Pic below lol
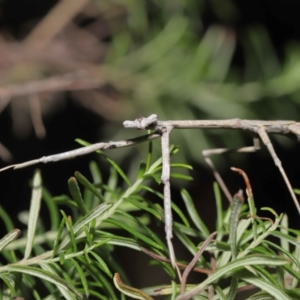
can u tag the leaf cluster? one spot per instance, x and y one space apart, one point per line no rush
73 259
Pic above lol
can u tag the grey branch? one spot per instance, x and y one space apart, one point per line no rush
85 150
281 127
262 128
165 178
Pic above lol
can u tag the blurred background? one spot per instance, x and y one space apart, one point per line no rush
78 69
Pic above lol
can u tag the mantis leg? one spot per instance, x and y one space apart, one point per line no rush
165 178
266 140
207 153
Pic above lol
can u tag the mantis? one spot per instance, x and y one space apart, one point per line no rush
163 129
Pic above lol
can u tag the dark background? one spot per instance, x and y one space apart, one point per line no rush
72 120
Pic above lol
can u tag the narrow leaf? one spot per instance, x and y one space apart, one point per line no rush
135 233
7 278
101 263
181 176
35 205
233 222
234 265
219 206
273 290
71 231
143 206
88 218
44 275
58 235
142 170
82 277
76 195
83 180
8 238
6 219
53 210
128 290
189 204
119 170
68 295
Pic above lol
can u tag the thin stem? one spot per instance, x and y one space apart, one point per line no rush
85 150
194 261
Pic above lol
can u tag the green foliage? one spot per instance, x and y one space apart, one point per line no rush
74 258
183 54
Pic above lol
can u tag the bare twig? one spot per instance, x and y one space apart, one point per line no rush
259 127
62 13
85 150
265 138
68 82
207 153
36 116
165 178
193 262
179 265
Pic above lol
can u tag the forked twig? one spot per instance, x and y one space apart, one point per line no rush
259 127
85 150
179 265
192 264
207 153
265 138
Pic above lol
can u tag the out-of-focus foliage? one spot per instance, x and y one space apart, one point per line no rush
124 59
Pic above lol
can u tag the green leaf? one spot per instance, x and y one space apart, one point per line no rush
35 205
233 223
134 233
219 207
82 277
128 290
8 238
65 200
174 290
273 290
10 283
88 218
149 155
189 204
286 237
119 170
96 174
142 170
44 275
284 251
181 176
143 206
6 219
71 231
141 226
237 264
58 235
101 263
67 293
220 293
179 165
283 228
53 210
118 241
76 195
